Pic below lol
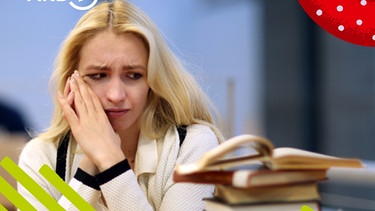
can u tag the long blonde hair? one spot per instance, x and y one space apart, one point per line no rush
175 98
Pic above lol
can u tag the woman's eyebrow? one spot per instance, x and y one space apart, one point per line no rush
106 68
130 67
98 67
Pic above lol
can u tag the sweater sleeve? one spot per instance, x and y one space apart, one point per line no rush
120 188
89 194
38 153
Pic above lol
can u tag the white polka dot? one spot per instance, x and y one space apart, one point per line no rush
341 28
359 22
373 37
340 8
363 2
319 12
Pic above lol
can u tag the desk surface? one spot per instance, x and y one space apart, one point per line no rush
349 189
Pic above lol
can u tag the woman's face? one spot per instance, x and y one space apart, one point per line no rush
115 67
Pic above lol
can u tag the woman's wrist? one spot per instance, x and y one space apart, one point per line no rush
87 166
109 160
112 172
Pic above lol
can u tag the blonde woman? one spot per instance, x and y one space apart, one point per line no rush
126 112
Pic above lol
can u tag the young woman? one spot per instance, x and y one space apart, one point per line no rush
123 105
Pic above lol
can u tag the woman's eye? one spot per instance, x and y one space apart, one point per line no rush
96 76
135 76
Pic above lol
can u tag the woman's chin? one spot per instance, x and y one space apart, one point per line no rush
119 127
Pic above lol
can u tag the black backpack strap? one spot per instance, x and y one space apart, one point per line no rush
181 133
62 152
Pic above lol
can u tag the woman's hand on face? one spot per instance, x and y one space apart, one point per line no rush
89 124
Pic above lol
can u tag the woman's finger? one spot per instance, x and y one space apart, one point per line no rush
68 113
70 99
67 88
96 102
68 94
79 102
84 90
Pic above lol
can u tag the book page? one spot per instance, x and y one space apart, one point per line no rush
239 150
225 156
292 158
286 152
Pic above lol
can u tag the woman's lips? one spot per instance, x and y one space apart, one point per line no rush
116 113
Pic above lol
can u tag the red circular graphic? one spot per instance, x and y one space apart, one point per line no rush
349 20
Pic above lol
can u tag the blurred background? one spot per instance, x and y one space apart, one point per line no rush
269 69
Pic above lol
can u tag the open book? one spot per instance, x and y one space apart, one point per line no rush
248 149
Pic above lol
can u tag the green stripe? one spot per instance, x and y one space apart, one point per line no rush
306 208
65 189
28 183
13 196
2 208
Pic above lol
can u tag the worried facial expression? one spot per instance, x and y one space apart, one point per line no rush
115 67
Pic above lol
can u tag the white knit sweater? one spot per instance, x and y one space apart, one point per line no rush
149 187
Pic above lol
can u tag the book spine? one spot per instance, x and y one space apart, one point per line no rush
239 179
213 177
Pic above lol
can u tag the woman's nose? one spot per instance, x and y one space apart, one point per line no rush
116 91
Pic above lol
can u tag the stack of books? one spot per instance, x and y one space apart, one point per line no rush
249 173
